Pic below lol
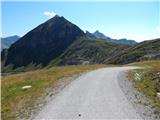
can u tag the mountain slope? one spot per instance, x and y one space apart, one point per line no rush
86 51
44 43
146 50
8 41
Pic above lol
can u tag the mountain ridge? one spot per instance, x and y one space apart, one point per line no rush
99 35
60 42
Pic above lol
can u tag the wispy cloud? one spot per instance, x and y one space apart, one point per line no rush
49 14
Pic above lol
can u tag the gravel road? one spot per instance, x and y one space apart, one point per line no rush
94 95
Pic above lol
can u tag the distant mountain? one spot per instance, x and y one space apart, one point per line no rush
126 41
58 42
43 43
147 50
99 35
8 41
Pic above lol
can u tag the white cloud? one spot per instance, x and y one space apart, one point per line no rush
49 14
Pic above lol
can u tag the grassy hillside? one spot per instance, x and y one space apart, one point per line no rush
20 103
147 81
85 50
147 50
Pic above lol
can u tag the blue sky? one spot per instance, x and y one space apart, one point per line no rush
133 20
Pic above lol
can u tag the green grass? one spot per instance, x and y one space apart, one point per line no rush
149 81
17 102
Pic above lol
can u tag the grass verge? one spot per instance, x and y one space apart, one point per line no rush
16 102
147 81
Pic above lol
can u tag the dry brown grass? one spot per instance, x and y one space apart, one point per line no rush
16 102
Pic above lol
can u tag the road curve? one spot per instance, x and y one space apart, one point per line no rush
94 95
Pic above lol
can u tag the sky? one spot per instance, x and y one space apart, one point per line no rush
117 19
